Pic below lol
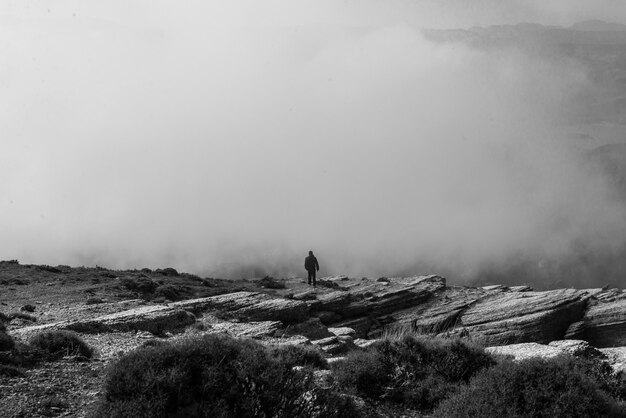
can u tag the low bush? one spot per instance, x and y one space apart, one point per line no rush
269 282
297 355
414 371
211 376
11 371
63 343
168 291
6 342
94 301
28 308
168 271
532 388
139 284
22 355
24 316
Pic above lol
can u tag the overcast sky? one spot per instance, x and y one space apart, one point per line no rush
214 135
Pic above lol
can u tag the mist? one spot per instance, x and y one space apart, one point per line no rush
229 141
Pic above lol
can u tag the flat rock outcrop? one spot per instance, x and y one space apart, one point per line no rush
517 317
523 351
250 306
157 319
603 324
368 306
341 311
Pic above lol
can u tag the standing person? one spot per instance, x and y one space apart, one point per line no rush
311 265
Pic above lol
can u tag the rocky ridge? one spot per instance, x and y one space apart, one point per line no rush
116 312
364 309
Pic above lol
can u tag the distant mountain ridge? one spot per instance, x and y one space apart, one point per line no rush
597 25
598 47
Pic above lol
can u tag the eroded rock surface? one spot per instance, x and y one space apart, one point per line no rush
603 324
516 317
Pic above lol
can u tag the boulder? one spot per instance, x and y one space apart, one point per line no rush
516 317
311 328
342 331
335 282
363 343
335 345
522 288
578 348
335 301
260 329
249 306
369 306
306 295
156 319
525 351
616 356
603 325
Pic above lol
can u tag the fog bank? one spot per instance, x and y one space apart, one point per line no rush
228 143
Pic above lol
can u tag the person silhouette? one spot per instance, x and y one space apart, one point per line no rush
311 265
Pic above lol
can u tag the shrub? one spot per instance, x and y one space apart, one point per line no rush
94 301
21 355
365 372
297 355
28 308
22 315
269 282
139 284
208 376
11 371
168 271
51 405
413 371
168 291
61 343
602 372
6 342
532 388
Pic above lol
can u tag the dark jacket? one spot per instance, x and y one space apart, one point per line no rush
310 263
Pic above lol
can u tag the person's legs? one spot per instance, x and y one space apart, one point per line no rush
311 273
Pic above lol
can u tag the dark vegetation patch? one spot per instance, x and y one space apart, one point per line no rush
28 308
533 388
14 281
169 291
94 301
50 269
297 355
416 372
21 315
61 343
6 341
52 406
168 271
269 282
143 285
215 376
22 355
11 371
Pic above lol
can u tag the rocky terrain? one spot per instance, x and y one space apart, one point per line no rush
117 311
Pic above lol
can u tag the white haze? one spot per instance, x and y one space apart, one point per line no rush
229 141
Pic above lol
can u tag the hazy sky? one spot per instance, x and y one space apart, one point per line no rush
215 136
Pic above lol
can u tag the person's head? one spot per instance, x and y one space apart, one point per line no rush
310 252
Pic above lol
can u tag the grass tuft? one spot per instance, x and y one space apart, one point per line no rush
61 343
